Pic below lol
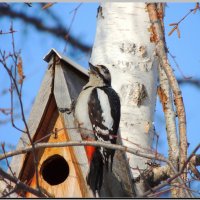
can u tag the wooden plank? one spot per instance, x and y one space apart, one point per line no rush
63 100
37 112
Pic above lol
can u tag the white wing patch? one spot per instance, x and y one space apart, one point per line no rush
106 110
101 148
101 131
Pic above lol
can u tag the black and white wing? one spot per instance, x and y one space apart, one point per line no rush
104 114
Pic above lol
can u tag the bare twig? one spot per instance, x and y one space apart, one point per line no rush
177 66
8 32
194 170
9 193
93 143
29 4
20 185
141 148
194 82
172 186
47 5
3 62
5 111
165 183
176 24
83 143
19 95
190 157
71 23
195 160
7 163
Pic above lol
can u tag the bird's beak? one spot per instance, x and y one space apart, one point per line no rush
93 69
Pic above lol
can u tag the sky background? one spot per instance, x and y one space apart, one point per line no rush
35 45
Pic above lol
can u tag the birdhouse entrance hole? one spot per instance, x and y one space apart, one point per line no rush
55 170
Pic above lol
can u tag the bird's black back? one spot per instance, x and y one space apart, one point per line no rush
102 133
96 112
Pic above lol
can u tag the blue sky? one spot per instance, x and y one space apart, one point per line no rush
34 45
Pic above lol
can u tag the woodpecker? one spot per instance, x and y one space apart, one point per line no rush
97 113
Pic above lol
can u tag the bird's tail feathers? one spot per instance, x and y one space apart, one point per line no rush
95 174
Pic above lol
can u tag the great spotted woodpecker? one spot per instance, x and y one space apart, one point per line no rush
97 113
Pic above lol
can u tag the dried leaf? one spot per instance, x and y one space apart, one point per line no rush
163 97
3 145
20 71
47 5
175 27
196 8
178 32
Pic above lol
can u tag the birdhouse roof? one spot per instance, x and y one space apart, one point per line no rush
53 51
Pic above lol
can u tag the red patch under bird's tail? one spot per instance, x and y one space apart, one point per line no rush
95 174
90 152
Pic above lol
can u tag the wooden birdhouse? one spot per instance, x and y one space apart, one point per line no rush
62 171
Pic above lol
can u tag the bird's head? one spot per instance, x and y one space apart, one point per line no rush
101 74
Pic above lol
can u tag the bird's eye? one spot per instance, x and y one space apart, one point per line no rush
105 71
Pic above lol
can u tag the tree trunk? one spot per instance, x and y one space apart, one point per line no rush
123 44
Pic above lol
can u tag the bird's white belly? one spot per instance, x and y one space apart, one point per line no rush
81 112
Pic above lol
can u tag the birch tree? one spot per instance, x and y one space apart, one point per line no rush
123 44
127 42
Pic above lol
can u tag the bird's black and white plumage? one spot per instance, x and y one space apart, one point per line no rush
98 109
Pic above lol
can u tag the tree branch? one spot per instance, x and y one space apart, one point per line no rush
194 82
159 174
96 144
83 143
156 175
161 52
58 31
18 88
20 185
176 24
164 93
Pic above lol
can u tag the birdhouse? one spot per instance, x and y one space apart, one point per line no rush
62 171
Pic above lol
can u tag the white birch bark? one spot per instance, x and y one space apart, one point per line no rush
123 44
